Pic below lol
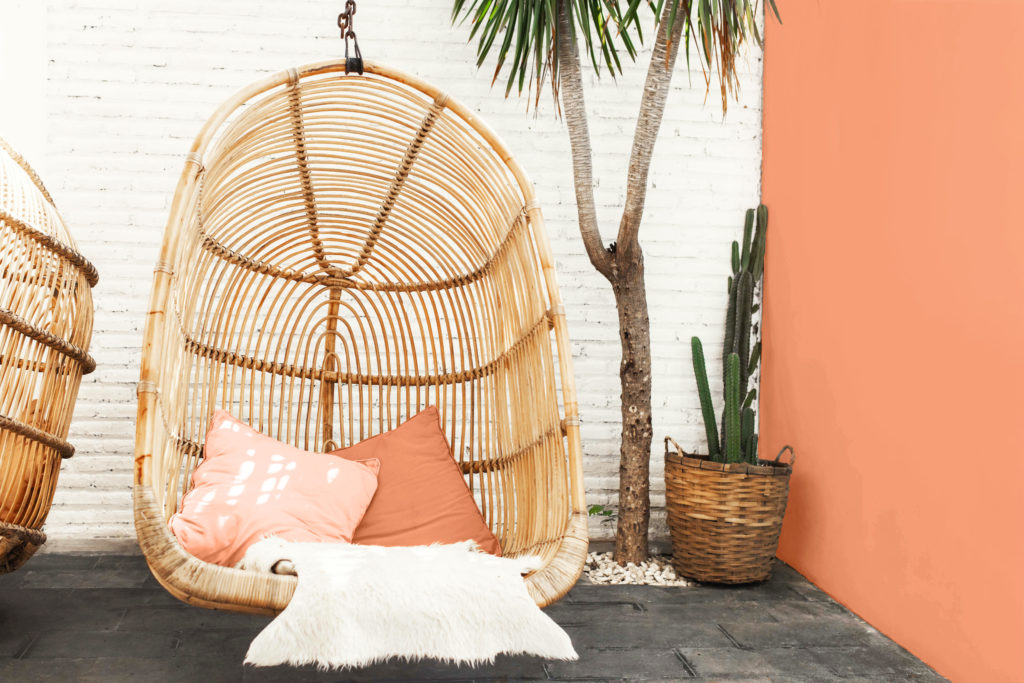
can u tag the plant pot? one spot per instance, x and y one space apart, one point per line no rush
724 519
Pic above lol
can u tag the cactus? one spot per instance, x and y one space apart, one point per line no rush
741 343
746 431
755 357
736 440
704 390
757 253
730 324
749 400
733 441
748 225
737 329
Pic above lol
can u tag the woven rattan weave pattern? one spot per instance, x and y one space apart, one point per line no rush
45 329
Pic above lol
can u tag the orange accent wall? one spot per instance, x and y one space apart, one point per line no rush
894 316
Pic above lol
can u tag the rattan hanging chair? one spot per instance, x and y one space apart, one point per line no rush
45 328
343 251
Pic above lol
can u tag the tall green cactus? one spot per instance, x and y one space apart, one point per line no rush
733 440
736 442
748 225
746 430
757 264
707 408
744 313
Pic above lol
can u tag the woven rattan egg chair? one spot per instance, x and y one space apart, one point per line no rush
45 328
343 251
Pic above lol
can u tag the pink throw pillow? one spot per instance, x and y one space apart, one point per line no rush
250 486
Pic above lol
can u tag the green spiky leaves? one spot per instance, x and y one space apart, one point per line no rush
521 34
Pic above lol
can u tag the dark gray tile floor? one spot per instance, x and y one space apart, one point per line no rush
104 618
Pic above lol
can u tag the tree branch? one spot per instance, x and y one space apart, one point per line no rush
571 90
652 110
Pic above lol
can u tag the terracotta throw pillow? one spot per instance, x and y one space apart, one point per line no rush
421 496
250 486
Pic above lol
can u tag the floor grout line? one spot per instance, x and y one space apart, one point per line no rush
735 642
26 646
120 619
685 662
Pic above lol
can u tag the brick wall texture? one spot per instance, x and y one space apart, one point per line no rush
129 83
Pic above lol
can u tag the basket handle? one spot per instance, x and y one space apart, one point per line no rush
679 449
792 455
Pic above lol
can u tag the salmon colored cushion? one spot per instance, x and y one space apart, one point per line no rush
421 495
250 486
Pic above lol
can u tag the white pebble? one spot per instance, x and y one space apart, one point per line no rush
657 570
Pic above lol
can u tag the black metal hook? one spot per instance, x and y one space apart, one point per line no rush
345 23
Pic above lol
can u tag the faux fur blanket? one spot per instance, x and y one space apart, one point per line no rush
358 605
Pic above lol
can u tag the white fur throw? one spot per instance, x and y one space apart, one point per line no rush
358 605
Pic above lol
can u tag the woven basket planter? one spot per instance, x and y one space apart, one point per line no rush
45 328
724 519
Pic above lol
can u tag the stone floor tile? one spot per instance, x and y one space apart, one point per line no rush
726 594
78 644
798 610
589 592
584 612
124 577
120 597
45 670
621 664
47 615
645 595
825 632
783 573
182 617
230 644
645 632
712 613
121 561
783 664
809 591
880 660
163 670
52 561
13 642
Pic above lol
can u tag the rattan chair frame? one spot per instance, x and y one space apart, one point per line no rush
46 317
342 251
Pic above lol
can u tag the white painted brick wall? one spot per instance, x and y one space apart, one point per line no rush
129 83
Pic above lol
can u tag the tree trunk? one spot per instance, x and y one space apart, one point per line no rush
623 264
573 106
635 375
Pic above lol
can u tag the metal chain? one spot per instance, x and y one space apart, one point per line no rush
345 22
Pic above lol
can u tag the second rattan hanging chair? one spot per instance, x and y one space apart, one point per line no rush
45 328
342 251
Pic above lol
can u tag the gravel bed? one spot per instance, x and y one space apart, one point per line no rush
657 571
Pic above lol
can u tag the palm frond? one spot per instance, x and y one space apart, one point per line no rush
525 52
605 29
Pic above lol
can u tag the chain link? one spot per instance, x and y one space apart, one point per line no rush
345 22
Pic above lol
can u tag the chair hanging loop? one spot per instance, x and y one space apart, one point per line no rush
345 21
